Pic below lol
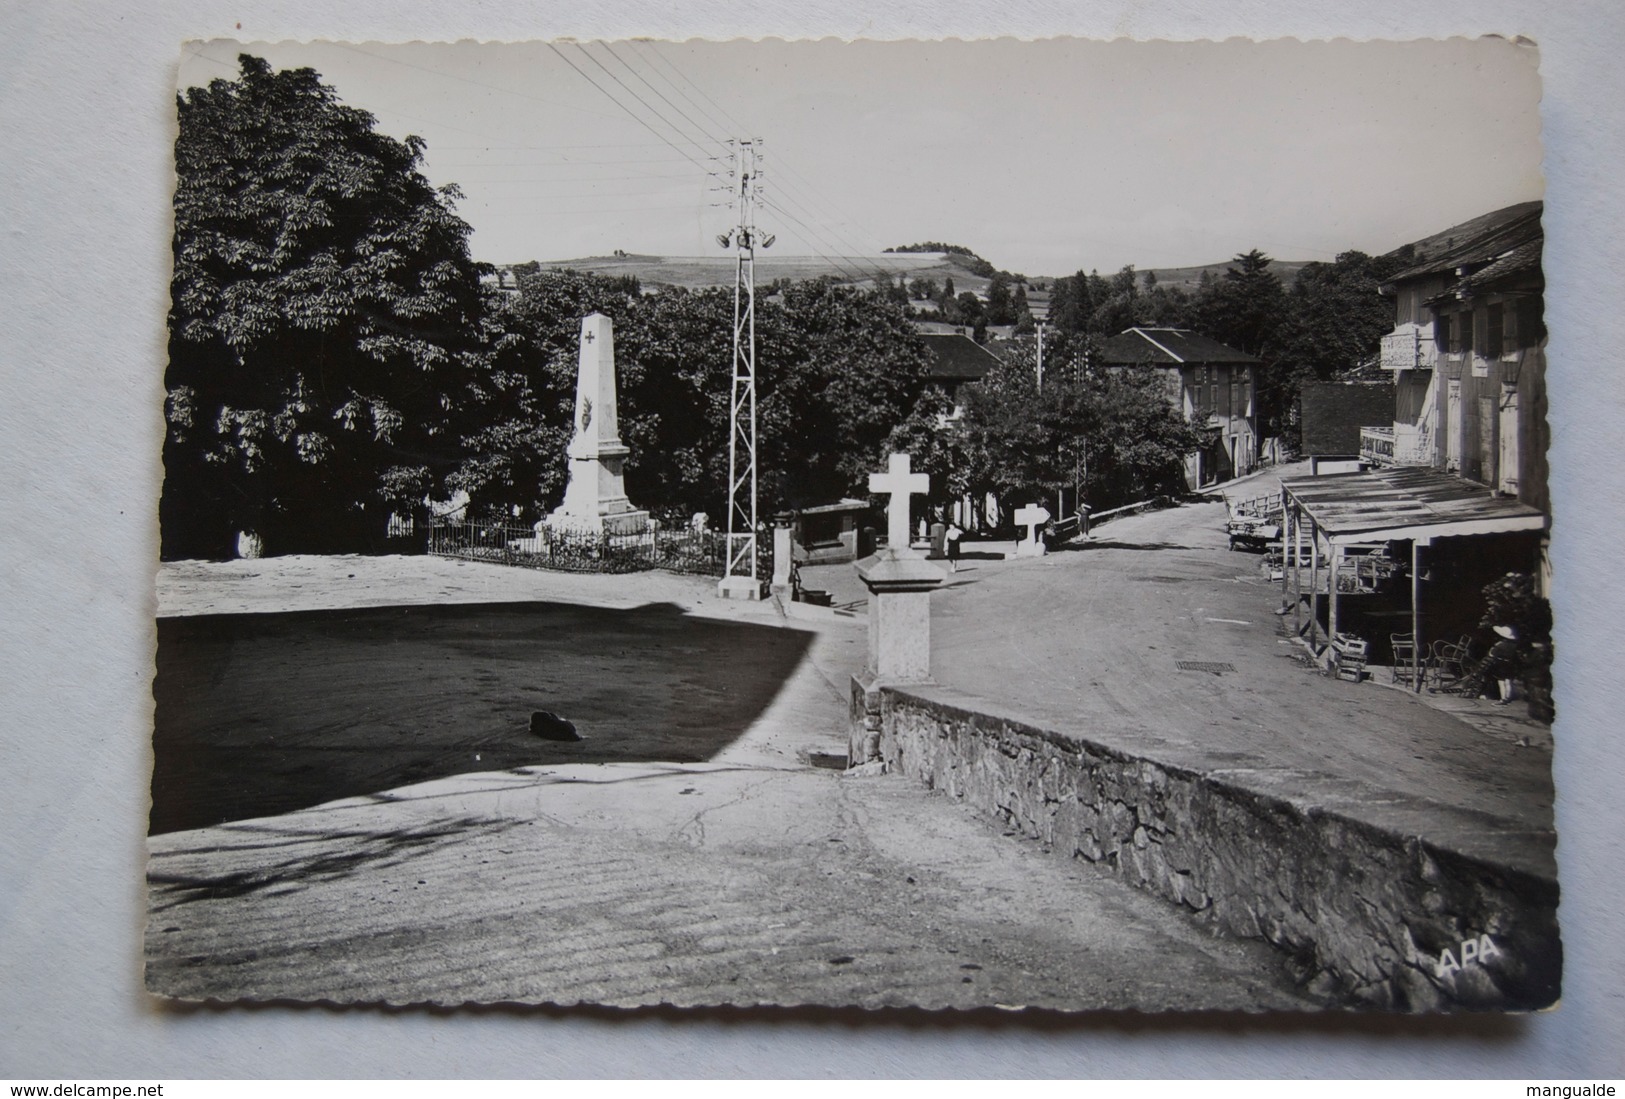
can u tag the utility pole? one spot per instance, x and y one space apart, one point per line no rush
1040 356
740 580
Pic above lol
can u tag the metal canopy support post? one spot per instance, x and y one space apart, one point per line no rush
1294 526
1331 589
1314 582
1416 610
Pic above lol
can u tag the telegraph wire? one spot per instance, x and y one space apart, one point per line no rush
643 102
843 264
847 267
710 136
723 117
469 80
727 122
624 108
839 242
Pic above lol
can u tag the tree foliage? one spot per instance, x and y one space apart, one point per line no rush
837 370
325 326
1335 316
1114 429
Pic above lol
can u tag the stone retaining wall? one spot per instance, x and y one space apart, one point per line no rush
1432 908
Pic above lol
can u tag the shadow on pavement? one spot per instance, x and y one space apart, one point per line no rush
385 848
261 714
1107 543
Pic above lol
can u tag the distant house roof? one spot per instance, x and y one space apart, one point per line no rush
1168 346
956 357
1485 240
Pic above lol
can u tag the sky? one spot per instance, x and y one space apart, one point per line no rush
1045 157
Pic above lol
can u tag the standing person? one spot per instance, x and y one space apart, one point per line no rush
953 536
1502 662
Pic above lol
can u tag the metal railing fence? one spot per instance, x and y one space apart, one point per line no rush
682 549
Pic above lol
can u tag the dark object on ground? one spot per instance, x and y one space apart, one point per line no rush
261 714
550 726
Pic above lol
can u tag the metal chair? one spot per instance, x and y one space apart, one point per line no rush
1406 670
1449 666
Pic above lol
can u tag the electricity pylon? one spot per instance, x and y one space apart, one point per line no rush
740 580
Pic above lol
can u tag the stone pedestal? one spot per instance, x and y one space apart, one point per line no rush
900 585
783 552
595 500
739 587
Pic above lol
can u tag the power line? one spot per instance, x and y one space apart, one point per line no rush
835 244
469 80
881 265
846 267
788 187
628 111
607 46
729 124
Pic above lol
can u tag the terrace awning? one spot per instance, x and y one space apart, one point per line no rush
1405 503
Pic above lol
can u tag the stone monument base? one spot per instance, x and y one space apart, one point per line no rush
612 523
739 587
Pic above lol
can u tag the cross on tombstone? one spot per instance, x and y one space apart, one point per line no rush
588 336
900 484
1032 517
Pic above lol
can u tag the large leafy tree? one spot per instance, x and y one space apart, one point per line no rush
326 327
1335 317
1245 306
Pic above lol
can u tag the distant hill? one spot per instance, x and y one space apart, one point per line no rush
694 272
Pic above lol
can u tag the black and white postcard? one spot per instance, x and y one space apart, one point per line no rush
942 524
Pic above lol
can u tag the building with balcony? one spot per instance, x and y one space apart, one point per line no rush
1467 355
1395 559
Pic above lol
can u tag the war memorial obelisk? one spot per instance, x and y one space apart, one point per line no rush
595 499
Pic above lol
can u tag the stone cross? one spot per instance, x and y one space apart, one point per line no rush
900 484
1032 517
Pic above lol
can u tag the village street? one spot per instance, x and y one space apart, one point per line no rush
646 882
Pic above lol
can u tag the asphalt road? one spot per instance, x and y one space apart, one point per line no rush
1092 637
